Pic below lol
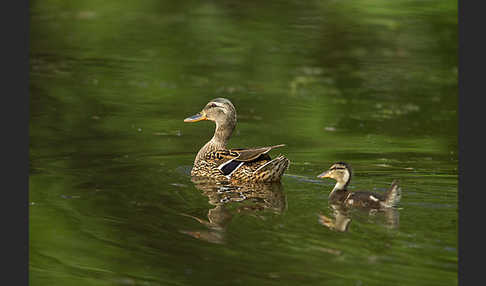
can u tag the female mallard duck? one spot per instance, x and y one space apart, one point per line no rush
341 172
215 160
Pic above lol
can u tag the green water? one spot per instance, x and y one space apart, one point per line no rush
372 83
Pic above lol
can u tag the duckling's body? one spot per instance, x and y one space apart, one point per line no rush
341 172
215 160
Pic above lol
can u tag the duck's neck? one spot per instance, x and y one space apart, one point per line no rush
223 132
221 136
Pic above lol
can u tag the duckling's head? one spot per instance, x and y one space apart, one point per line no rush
219 110
340 171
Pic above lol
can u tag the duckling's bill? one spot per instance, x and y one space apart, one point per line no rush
196 117
324 174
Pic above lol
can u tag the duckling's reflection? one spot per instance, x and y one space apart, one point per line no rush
256 196
341 217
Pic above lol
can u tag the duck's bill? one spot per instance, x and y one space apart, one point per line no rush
196 118
324 175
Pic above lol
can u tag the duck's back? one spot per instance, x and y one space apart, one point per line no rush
260 169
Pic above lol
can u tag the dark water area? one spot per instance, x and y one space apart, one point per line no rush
371 83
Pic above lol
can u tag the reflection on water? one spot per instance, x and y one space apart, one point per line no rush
250 198
260 196
218 219
341 220
341 217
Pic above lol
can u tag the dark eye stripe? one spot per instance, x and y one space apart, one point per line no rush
337 168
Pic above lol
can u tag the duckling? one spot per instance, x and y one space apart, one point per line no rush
215 160
341 172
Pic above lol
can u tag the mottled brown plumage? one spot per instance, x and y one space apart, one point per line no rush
215 160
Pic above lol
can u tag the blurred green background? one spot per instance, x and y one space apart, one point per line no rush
372 83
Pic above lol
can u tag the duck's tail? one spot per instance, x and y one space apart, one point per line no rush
273 170
393 195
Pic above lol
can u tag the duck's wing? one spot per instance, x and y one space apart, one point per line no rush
222 156
251 154
366 196
225 160
230 160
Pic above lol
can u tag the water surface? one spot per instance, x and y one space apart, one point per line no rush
371 83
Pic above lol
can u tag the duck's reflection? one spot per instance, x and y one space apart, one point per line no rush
218 219
249 198
340 218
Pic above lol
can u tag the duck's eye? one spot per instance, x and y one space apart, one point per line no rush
212 105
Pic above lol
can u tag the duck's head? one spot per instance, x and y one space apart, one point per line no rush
219 110
340 171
